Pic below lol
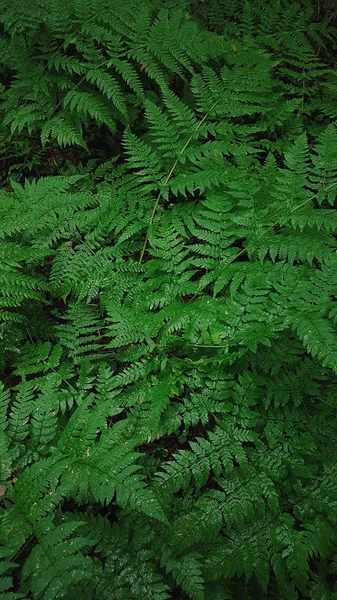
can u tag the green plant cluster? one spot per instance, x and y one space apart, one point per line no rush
168 300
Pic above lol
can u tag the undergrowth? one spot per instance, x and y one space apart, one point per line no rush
168 300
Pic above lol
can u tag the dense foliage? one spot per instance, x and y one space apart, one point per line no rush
168 300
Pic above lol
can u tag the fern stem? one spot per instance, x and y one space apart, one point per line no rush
167 179
277 223
244 250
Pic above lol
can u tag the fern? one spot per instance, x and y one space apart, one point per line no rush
112 55
168 301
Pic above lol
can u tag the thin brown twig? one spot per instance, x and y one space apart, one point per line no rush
169 177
